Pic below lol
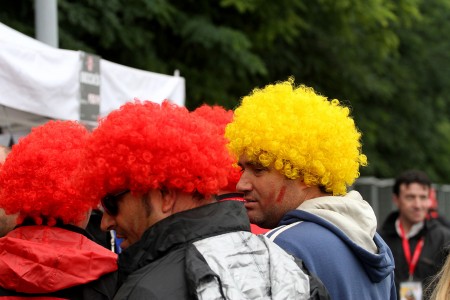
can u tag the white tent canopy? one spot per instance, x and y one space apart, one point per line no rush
38 82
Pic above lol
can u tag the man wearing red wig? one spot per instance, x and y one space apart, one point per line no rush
220 117
156 168
49 255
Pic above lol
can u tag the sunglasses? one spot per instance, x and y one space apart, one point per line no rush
110 202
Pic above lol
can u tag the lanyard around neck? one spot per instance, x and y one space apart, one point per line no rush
412 263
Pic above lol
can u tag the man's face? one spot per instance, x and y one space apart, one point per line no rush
135 215
268 193
413 202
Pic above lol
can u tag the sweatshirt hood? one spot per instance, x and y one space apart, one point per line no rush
353 220
43 259
351 214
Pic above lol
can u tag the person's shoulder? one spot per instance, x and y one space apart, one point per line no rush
286 230
438 233
302 233
136 291
154 280
436 227
161 268
446 234
388 226
103 288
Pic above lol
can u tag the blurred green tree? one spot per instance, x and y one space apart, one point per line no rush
388 60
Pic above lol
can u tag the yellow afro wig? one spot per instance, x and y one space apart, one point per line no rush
299 133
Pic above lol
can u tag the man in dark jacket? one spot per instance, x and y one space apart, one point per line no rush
416 241
156 168
49 254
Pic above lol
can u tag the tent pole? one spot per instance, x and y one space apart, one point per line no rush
46 21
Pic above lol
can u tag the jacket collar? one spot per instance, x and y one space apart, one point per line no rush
182 228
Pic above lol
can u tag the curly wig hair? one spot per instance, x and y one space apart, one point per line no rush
220 117
144 145
36 177
299 133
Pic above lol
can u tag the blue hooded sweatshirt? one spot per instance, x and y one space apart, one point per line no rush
337 240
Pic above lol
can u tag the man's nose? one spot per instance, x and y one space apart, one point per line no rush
418 201
108 222
244 184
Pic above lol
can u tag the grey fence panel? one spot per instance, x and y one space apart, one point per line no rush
443 196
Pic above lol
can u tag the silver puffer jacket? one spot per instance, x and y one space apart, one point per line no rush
248 267
209 253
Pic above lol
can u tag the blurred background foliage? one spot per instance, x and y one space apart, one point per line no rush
388 60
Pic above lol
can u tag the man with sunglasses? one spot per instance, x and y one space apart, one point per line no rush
156 169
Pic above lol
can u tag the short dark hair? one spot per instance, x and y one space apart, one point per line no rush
411 176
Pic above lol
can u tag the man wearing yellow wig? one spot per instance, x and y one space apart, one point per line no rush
298 152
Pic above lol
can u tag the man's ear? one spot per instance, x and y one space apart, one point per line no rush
168 197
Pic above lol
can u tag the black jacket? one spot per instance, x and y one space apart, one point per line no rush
168 262
436 239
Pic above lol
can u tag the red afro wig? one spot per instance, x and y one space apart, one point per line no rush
216 115
145 145
36 176
220 117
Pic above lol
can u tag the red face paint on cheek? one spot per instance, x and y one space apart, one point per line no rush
281 194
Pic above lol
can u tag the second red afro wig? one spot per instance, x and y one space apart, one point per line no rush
220 117
145 145
36 177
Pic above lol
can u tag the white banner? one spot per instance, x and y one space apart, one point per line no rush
43 80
